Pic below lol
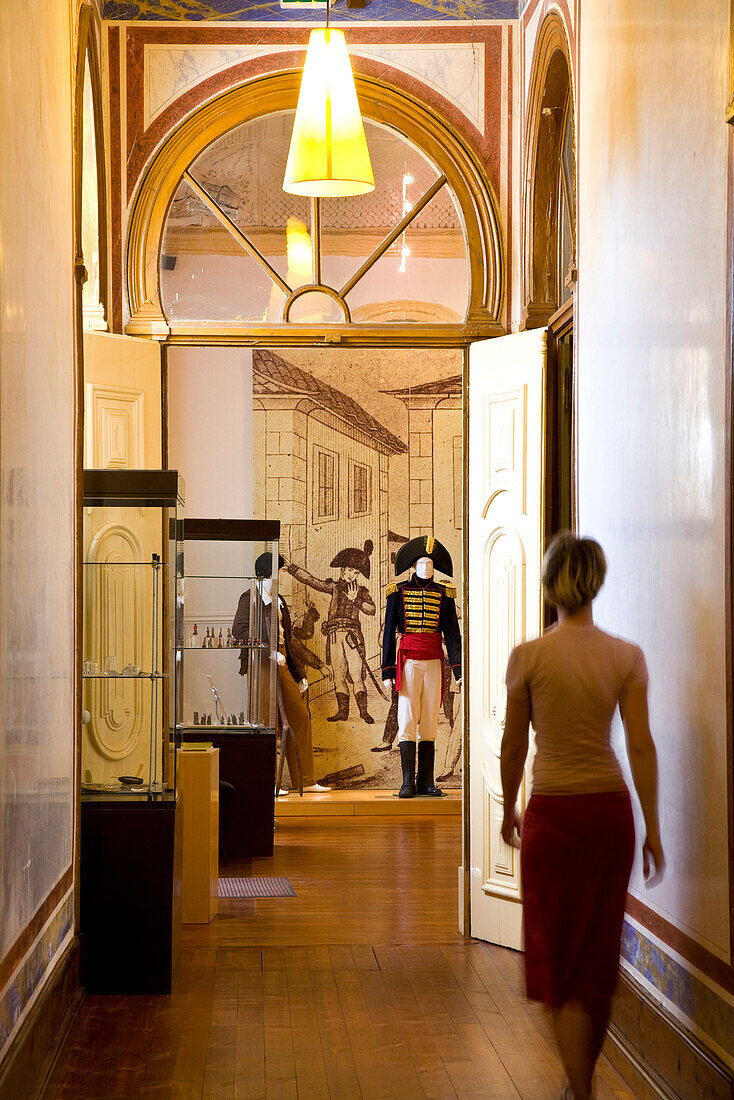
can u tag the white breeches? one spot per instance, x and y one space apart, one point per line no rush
419 700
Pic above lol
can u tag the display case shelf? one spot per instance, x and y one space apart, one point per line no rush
124 676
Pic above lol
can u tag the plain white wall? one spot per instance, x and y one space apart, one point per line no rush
651 401
210 429
210 444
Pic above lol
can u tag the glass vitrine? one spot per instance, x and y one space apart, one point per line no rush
133 620
225 658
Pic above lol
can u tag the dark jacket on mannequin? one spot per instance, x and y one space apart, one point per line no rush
241 631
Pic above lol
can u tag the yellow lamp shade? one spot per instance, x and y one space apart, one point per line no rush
328 154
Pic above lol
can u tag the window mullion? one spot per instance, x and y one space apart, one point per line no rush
236 232
393 236
316 239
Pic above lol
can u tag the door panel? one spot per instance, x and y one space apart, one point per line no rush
122 430
506 433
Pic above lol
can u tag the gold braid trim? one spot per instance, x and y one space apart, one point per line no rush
391 589
430 543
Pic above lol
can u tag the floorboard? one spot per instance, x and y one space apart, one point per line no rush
358 988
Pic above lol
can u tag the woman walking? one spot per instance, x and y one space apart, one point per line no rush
577 834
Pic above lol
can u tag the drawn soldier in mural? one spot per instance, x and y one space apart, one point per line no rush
345 647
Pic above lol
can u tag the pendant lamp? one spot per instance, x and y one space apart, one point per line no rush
328 155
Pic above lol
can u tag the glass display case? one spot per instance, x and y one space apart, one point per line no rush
227 669
133 617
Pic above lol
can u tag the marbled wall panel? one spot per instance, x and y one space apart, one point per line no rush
651 363
37 472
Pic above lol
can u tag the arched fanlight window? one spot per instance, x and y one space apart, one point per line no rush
237 249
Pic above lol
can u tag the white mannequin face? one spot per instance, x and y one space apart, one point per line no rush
424 568
266 590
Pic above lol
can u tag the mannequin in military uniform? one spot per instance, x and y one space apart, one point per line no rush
423 612
345 647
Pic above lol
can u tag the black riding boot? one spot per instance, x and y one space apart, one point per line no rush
407 759
361 700
426 755
342 702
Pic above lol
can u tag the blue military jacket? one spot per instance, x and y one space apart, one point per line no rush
420 607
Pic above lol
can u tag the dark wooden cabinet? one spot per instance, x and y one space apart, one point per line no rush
130 907
247 761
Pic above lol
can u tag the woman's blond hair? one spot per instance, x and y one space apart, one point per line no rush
573 571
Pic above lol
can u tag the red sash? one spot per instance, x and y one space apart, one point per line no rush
419 647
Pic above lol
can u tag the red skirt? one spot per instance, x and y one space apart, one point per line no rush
576 860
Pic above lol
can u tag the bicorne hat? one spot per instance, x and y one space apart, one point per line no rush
264 564
352 558
425 546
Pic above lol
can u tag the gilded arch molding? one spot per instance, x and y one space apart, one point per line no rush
88 54
379 102
550 94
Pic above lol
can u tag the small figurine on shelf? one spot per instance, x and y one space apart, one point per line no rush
196 717
195 636
229 637
220 643
242 718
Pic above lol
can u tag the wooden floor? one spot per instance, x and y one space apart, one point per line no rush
360 986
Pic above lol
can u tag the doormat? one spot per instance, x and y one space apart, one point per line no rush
274 886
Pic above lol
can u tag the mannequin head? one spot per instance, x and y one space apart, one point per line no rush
424 568
266 590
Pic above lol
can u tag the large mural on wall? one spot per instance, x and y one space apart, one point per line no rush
358 451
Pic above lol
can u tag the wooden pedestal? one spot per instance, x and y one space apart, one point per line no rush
130 909
198 781
247 761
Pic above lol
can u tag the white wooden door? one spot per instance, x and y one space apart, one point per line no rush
506 453
122 430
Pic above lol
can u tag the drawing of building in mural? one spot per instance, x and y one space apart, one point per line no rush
331 472
324 473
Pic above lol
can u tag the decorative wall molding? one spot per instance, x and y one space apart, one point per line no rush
116 440
657 1057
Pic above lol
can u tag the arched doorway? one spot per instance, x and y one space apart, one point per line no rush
549 273
549 221
355 444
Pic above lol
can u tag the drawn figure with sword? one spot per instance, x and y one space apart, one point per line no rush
345 648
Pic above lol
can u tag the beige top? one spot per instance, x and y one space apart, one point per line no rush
573 677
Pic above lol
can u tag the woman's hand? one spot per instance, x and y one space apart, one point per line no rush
653 860
512 824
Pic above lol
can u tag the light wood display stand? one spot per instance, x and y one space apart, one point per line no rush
198 779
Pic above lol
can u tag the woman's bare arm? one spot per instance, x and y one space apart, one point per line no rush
513 754
644 764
